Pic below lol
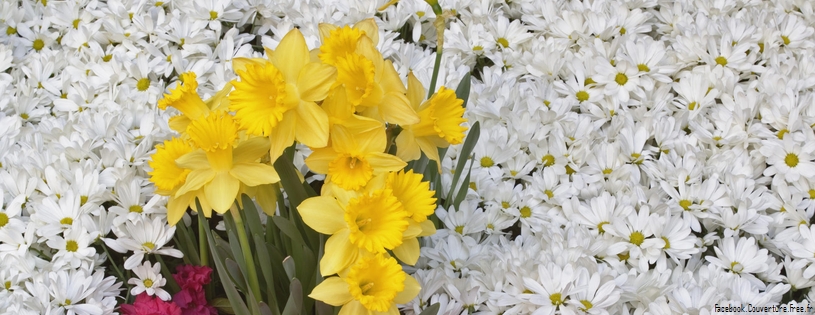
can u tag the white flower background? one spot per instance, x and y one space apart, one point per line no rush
636 157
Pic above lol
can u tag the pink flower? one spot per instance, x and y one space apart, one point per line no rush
191 299
147 305
192 277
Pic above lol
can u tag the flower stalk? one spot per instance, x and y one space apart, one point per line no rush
247 254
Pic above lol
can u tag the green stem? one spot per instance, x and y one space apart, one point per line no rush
247 255
115 267
203 247
165 271
435 76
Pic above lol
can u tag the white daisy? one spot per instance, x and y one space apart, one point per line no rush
143 237
149 279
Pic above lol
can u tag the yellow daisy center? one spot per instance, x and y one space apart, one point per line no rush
148 283
414 194
38 44
643 68
260 98
3 219
721 60
548 160
621 78
376 221
503 42
143 84
71 246
340 42
785 39
556 299
135 209
350 172
375 281
166 174
667 243
636 238
357 73
582 96
487 161
685 204
526 212
791 160
66 221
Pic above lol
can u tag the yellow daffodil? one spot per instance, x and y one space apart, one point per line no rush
439 125
414 196
340 41
372 222
184 97
277 97
353 159
373 286
373 86
341 115
169 177
219 169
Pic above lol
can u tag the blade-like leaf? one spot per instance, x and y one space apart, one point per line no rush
294 306
235 300
463 89
265 309
290 230
236 274
222 304
466 150
431 310
266 271
288 265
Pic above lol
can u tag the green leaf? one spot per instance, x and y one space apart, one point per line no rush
294 306
266 271
222 304
288 265
462 191
323 309
431 310
236 274
289 230
290 181
466 150
251 216
463 89
186 244
265 310
235 300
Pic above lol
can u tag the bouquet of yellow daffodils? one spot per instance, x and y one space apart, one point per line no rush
340 248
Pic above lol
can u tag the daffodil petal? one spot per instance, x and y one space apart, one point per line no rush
429 149
353 308
415 91
176 207
383 162
253 174
323 214
239 64
250 150
319 159
332 291
391 81
412 288
406 147
312 125
222 191
291 55
413 230
370 28
194 160
339 253
195 180
396 109
374 140
315 80
325 30
408 252
282 135
427 228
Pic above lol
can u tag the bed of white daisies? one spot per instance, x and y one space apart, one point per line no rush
639 156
